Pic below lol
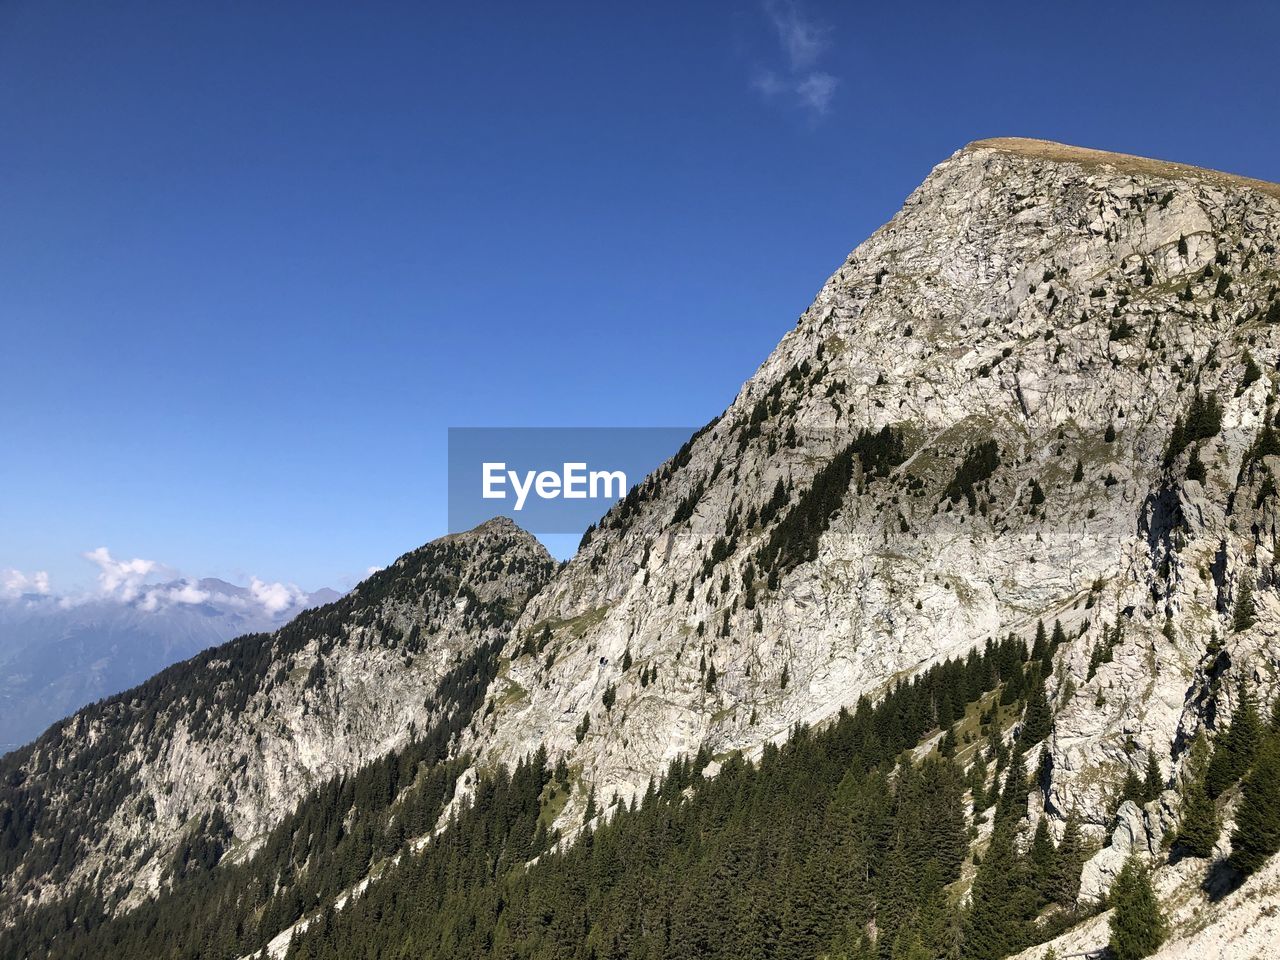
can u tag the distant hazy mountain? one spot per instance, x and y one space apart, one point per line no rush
57 655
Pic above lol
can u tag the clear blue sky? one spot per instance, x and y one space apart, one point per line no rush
255 258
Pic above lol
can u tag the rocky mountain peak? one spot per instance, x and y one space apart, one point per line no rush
979 424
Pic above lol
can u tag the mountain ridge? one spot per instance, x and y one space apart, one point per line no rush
59 653
1007 396
190 740
1124 162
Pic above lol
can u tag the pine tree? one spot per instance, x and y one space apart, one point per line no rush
1251 373
1153 782
1137 923
1095 660
1015 687
1040 648
947 746
1234 751
1257 833
1037 494
1199 826
1038 719
1070 862
908 945
1132 788
1058 638
1195 466
978 783
1246 612
1044 861
1013 799
1002 904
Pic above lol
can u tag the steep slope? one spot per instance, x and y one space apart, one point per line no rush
56 656
207 756
972 428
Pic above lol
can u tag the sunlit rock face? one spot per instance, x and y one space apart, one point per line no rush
1066 304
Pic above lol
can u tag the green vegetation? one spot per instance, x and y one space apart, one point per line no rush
1137 925
91 757
1245 614
335 836
1203 420
1237 745
1199 825
980 462
794 540
789 857
1257 833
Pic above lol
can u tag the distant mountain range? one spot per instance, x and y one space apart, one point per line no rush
56 655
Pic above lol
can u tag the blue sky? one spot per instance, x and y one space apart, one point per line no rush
256 258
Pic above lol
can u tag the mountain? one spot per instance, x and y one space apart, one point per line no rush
216 749
963 609
968 432
56 655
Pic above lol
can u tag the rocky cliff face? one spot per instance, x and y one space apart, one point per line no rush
1067 305
207 756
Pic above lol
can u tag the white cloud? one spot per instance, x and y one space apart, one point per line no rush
276 597
15 583
802 41
121 579
169 594
188 592
151 586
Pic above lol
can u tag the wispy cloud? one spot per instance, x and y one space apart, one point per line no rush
798 82
802 39
149 585
15 583
816 90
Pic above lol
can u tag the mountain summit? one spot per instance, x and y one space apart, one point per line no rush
1003 376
